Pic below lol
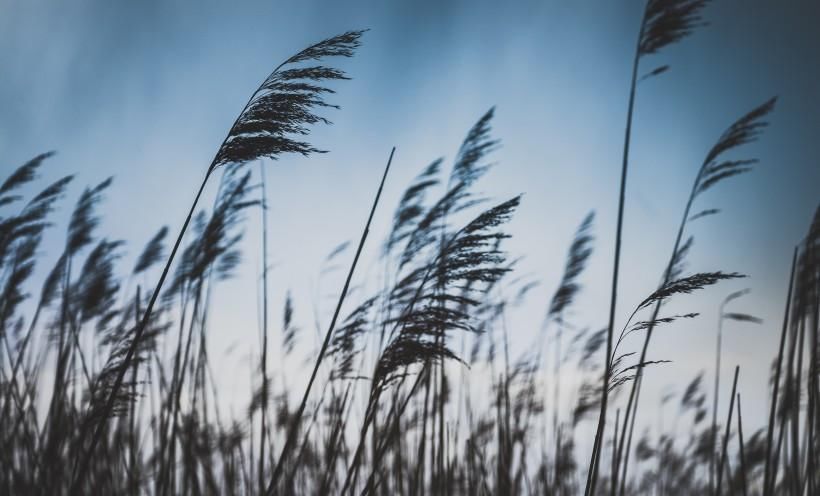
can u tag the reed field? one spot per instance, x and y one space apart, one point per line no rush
106 370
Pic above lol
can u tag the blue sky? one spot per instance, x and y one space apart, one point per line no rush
146 90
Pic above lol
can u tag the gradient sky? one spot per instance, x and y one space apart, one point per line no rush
146 90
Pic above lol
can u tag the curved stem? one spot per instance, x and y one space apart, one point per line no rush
592 475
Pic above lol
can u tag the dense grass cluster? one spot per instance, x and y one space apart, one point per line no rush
106 387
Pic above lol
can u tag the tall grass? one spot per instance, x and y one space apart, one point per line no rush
414 387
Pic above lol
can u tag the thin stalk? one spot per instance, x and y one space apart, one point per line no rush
811 418
767 479
592 475
742 468
712 459
615 440
795 411
133 474
785 417
264 413
726 433
423 437
298 417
